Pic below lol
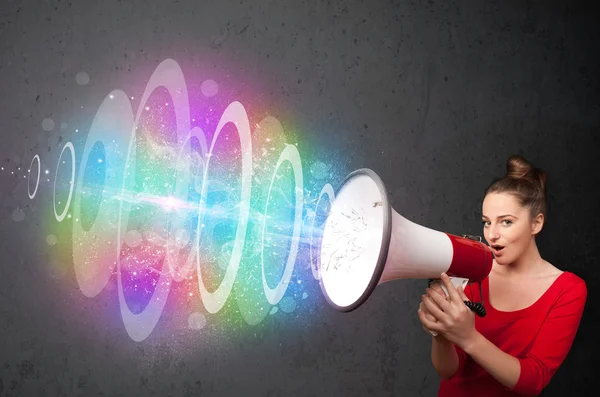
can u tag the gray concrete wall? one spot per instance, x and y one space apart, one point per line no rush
433 96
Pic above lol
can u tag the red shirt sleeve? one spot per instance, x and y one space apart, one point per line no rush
553 341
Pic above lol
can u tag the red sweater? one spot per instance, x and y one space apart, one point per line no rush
540 336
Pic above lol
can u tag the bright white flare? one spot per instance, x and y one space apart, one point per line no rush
352 241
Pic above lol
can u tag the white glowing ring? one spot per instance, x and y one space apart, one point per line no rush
236 114
316 267
64 213
181 189
274 295
111 124
31 196
169 75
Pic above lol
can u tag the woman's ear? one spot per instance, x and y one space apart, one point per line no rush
537 224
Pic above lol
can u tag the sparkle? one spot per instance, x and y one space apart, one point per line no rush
187 217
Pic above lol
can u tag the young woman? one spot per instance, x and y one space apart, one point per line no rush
533 308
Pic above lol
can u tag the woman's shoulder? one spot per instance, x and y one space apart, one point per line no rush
566 278
569 287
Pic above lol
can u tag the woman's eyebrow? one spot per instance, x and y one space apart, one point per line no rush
501 216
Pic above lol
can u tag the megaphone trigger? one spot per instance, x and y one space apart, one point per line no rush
476 307
456 281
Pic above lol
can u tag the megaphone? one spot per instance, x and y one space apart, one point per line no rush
366 243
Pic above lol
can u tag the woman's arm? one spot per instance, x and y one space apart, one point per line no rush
530 374
444 357
505 368
456 322
526 375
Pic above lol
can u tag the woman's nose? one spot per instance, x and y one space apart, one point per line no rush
494 234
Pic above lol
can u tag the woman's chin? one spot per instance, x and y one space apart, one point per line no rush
500 261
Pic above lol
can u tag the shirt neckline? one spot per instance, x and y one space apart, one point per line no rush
525 309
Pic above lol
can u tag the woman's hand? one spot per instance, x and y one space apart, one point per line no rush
435 286
449 317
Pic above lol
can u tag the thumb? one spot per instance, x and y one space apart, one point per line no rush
461 293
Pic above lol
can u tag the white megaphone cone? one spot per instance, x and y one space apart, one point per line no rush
366 243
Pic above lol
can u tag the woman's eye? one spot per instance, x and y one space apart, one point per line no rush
507 222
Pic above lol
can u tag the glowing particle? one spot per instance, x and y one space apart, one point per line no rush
82 78
51 239
274 310
319 170
305 295
47 124
196 321
209 88
287 304
133 238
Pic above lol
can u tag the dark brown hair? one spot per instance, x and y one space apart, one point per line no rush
525 182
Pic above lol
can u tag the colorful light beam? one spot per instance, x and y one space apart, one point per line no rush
154 202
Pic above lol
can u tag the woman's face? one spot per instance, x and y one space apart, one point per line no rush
507 227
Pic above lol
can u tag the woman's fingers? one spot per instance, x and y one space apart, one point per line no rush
432 306
428 324
452 293
439 299
429 316
461 292
437 287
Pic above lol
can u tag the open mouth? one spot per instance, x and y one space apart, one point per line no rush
497 248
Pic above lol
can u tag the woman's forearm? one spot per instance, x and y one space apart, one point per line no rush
505 368
444 357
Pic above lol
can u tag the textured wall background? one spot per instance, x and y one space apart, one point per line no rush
434 96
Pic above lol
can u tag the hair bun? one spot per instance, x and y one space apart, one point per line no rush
517 167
